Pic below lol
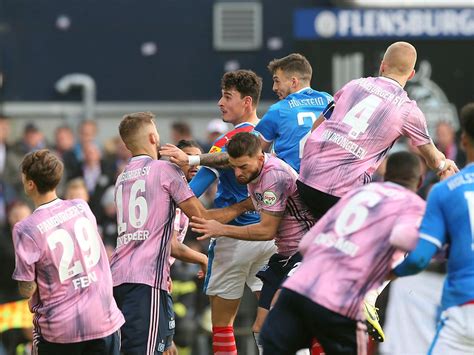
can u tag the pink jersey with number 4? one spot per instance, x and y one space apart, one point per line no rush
351 250
369 115
146 195
60 249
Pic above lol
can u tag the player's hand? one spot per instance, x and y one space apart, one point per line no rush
172 350
176 155
449 170
208 227
203 270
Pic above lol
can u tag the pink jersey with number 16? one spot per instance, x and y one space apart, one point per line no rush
146 196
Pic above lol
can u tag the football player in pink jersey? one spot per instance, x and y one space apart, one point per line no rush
271 184
356 131
350 251
62 266
146 195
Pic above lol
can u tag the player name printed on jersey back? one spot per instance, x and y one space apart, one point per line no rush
369 115
288 123
60 249
146 195
274 191
351 249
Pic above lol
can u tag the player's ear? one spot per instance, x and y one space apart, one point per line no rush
412 74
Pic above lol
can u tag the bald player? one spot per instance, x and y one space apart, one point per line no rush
356 131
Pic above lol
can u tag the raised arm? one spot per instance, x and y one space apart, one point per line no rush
436 160
266 229
218 160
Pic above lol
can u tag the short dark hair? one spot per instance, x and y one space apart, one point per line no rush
467 119
403 168
183 143
43 168
132 123
293 63
242 144
246 82
182 128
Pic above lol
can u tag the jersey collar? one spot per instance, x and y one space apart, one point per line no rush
390 80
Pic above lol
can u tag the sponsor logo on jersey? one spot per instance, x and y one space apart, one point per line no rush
269 198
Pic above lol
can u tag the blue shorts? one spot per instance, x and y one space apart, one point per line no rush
149 319
109 345
273 274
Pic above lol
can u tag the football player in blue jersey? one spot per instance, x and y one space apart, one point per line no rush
287 123
449 222
232 263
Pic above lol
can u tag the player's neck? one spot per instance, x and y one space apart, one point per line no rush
301 86
251 117
400 80
41 199
150 152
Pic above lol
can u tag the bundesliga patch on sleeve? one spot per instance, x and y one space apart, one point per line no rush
269 198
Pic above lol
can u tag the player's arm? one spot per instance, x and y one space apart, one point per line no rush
218 160
265 144
417 260
325 115
264 230
436 160
432 236
193 207
184 253
27 288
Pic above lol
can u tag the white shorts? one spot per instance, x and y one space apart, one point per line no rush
455 334
234 263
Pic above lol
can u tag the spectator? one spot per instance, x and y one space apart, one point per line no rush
96 175
108 220
180 131
87 134
9 290
76 188
215 128
446 143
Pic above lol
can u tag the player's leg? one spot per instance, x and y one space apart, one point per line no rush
140 306
261 254
109 345
44 347
224 284
455 333
337 334
318 202
285 331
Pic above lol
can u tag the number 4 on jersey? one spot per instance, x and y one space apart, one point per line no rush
359 115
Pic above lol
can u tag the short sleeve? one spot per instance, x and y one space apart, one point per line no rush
433 226
404 235
275 191
415 128
27 253
174 182
268 125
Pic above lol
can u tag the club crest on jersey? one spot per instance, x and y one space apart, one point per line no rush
215 149
269 198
